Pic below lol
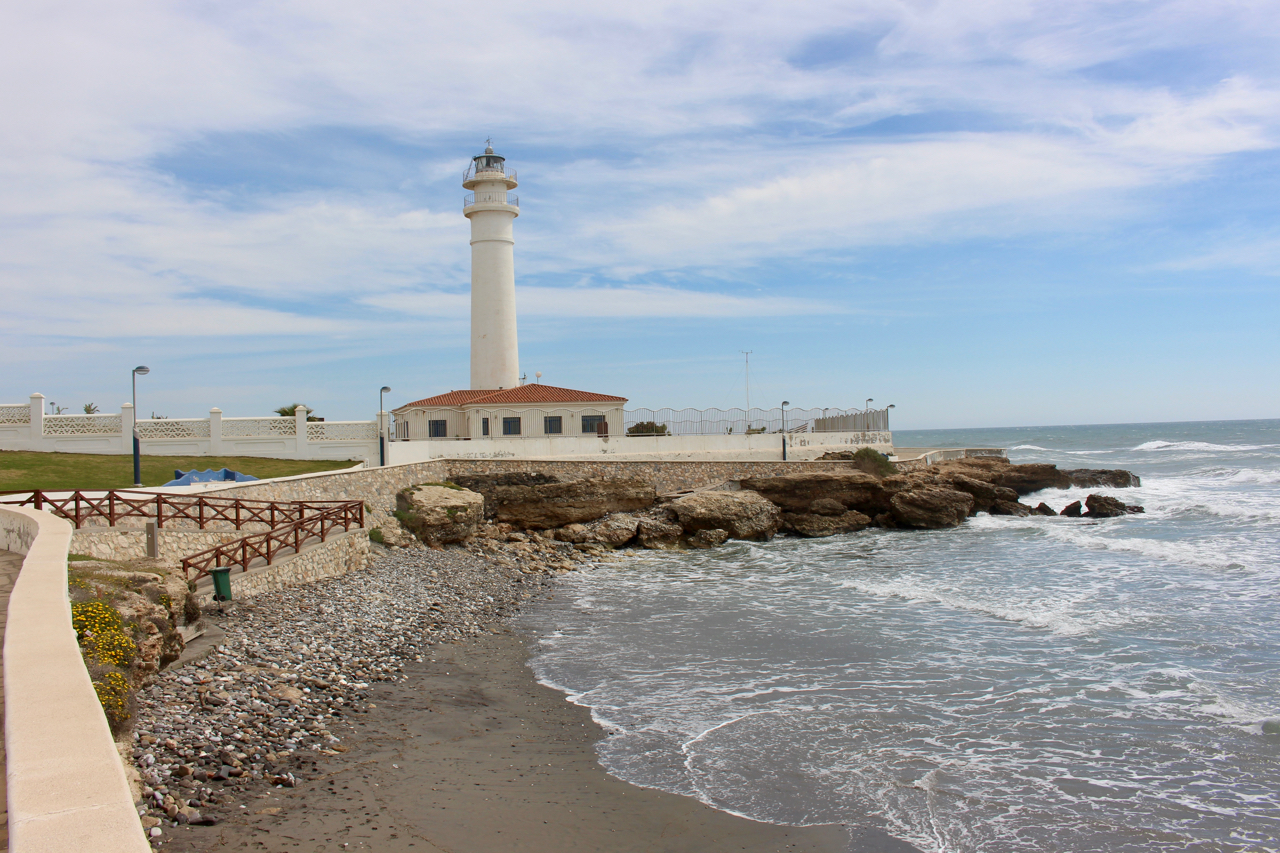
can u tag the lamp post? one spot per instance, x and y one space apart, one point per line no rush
886 416
785 403
869 402
140 370
382 428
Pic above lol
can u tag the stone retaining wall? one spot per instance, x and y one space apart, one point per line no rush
124 543
337 555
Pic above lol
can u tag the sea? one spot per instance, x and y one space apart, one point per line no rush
1014 684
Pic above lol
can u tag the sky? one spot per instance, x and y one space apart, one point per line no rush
985 213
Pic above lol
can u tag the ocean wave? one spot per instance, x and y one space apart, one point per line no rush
1031 447
1054 616
1149 446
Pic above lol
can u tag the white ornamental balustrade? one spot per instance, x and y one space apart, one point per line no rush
82 424
15 414
173 428
342 431
258 427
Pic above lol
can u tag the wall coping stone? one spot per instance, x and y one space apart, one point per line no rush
67 785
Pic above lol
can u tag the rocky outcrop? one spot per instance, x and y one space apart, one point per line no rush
985 495
744 514
853 490
659 533
1094 478
1043 508
1072 510
612 530
1101 506
704 539
1032 477
814 525
438 515
549 505
488 484
1009 508
931 507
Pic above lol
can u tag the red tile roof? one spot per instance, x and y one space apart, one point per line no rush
453 398
538 393
535 393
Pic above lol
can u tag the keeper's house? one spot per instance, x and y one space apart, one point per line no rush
525 411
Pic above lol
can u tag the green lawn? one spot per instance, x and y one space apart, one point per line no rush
24 469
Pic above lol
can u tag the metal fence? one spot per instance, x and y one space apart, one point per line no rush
755 421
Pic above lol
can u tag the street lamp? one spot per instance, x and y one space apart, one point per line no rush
869 402
785 403
140 370
382 428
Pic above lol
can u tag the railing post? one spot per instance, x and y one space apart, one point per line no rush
159 511
39 499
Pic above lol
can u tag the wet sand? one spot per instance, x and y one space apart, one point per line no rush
471 754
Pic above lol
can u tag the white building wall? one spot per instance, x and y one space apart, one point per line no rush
708 448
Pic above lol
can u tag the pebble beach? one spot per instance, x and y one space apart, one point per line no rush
276 694
393 709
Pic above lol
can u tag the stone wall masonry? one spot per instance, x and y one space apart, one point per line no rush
336 556
377 487
122 543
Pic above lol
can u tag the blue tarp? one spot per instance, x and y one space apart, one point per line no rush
208 476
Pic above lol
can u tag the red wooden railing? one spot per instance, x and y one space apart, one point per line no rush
293 523
116 504
267 546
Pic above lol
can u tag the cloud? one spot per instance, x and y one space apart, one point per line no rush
637 302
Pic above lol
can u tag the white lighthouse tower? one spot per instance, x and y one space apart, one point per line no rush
495 356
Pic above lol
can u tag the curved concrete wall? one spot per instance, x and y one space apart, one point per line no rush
67 787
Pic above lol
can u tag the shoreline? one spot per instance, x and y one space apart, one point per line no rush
471 753
393 708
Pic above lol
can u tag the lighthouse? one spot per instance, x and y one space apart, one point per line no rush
495 356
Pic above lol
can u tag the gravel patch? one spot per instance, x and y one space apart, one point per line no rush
268 704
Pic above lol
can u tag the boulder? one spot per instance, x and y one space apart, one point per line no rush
744 514
1009 508
487 484
1101 506
658 534
985 494
708 539
827 506
1023 479
814 525
1072 510
440 514
613 530
1043 508
798 492
573 533
931 507
1094 478
556 504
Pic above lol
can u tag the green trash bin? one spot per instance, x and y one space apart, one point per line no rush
221 583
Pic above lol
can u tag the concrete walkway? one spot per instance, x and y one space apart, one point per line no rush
10 565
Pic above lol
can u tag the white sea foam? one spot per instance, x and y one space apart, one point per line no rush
1056 616
1148 446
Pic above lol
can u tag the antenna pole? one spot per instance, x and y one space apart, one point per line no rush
747 355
